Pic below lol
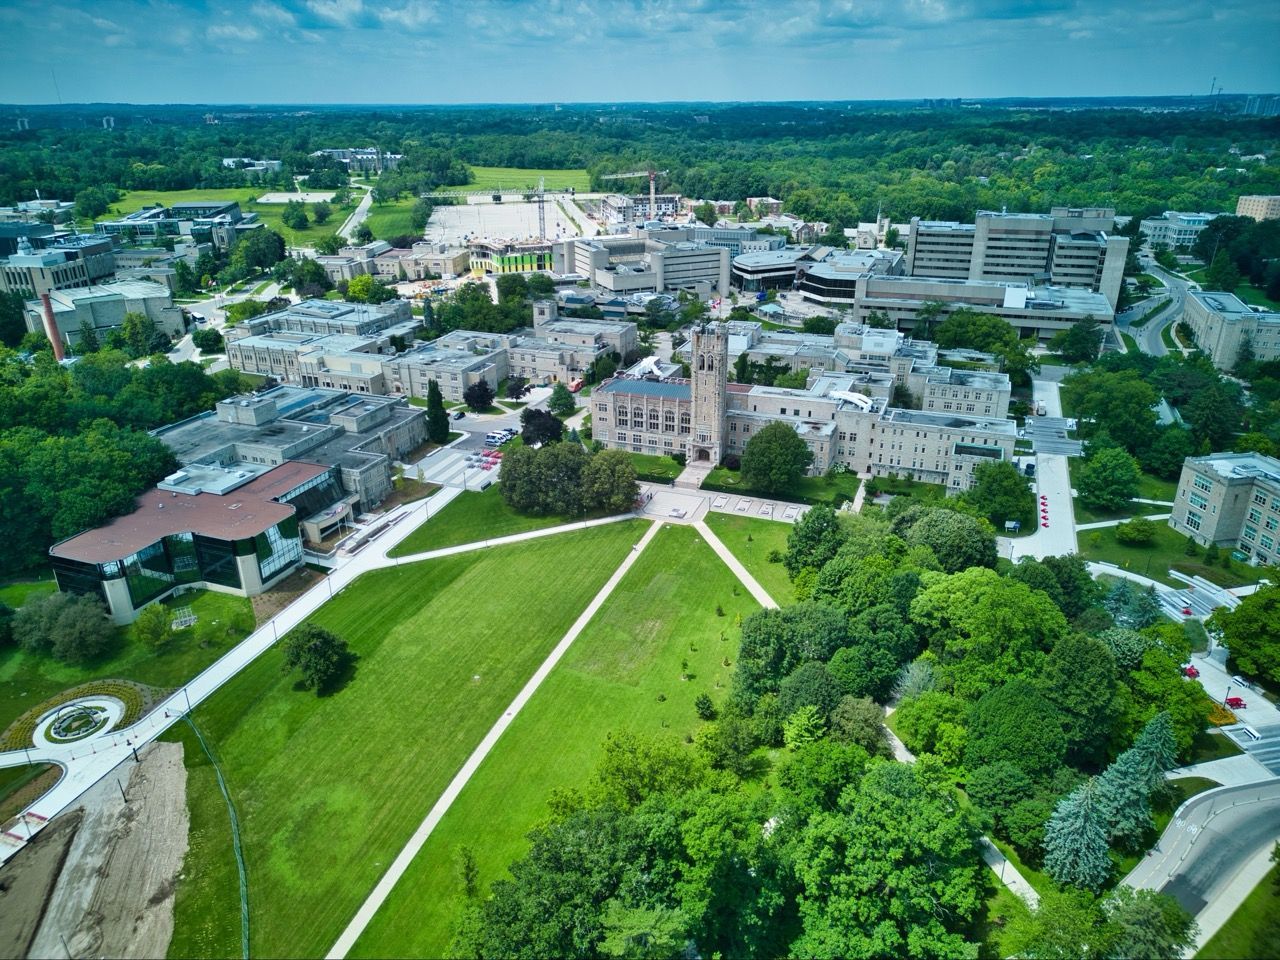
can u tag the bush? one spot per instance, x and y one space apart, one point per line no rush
706 709
731 461
1137 532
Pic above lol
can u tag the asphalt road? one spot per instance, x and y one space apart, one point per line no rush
1210 839
1148 337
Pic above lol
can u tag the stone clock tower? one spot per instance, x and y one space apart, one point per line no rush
710 370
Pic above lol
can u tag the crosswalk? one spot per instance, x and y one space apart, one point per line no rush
1265 749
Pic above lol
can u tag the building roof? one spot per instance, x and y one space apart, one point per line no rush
669 389
245 512
1239 466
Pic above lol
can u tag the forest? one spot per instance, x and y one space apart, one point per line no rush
838 163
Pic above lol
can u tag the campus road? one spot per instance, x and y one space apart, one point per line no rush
1208 858
1148 337
1053 496
358 216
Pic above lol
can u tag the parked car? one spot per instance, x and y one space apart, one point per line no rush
1236 703
1242 682
1190 671
459 414
1029 470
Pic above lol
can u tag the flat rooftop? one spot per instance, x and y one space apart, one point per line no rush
1239 466
952 421
243 513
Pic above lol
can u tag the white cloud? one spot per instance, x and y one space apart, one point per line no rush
409 16
272 13
336 11
242 33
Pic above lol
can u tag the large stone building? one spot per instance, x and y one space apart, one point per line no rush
1222 323
1231 500
708 418
1175 229
1259 207
102 307
645 263
1067 247
1035 311
359 436
74 261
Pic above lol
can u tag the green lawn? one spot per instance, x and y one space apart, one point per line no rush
663 612
833 489
328 789
470 517
28 679
17 592
1154 560
1150 487
392 219
655 469
1254 929
1166 335
766 536
1209 746
517 178
901 487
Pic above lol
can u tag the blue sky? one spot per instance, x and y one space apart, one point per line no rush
421 51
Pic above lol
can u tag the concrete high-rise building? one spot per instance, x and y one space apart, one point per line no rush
1069 247
710 385
1259 207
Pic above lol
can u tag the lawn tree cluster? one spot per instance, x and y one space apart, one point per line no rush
319 656
564 479
69 627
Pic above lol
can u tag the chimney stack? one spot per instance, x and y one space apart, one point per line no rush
51 329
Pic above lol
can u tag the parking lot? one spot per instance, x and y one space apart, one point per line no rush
1049 435
511 220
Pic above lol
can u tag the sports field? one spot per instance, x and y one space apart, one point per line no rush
662 614
328 789
519 178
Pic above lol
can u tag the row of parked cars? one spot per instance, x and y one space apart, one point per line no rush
497 438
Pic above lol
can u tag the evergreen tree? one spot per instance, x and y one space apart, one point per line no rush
88 342
1157 749
1122 798
1075 841
437 419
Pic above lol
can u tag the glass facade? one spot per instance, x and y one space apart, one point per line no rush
73 576
278 548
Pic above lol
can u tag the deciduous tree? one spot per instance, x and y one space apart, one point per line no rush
317 654
774 459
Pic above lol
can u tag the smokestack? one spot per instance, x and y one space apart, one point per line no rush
51 329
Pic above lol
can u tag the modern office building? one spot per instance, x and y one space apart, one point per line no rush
1067 247
359 436
1222 323
783 268
509 256
1174 229
1231 500
708 418
54 211
102 307
219 222
1259 207
228 531
1036 311
650 261
362 159
249 165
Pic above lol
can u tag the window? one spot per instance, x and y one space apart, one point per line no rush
1200 483
602 407
684 423
669 421
1193 520
1260 498
1255 515
1250 534
1266 542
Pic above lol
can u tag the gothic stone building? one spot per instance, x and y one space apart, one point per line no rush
707 418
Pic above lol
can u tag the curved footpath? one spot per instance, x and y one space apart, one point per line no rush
1214 851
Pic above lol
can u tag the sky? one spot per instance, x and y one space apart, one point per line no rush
567 51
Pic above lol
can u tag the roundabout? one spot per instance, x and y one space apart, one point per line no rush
78 720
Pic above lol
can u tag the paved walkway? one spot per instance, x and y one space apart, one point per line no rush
410 850
741 572
1115 523
1237 771
1053 490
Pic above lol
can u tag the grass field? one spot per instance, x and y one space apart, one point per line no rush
654 469
662 612
1154 560
833 489
328 789
27 679
470 517
392 219
766 536
1253 931
1149 488
517 178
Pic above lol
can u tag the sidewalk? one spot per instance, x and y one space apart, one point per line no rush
748 581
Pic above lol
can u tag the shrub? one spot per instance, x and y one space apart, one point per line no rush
706 709
1137 532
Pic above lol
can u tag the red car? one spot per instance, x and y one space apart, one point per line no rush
1190 671
1236 703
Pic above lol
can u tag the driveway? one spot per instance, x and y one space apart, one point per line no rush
1056 533
1148 336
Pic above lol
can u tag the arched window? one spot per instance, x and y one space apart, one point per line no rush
653 420
702 361
637 415
669 421
684 423
711 363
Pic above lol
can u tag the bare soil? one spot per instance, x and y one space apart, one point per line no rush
267 605
114 895
27 879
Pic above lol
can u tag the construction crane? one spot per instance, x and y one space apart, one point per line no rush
653 175
542 209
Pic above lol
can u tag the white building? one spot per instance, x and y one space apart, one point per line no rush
1174 229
